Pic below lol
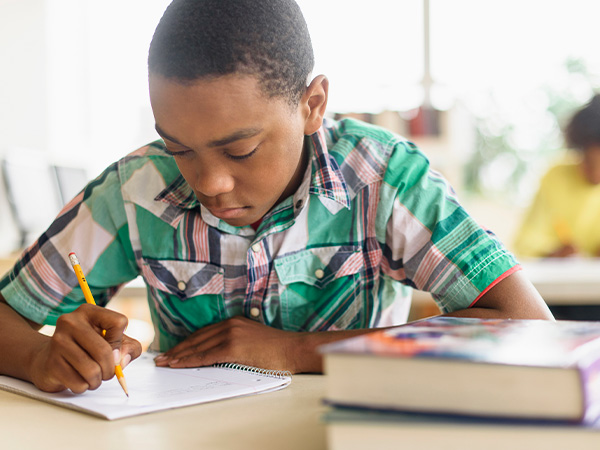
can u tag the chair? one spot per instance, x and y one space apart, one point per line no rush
70 181
31 193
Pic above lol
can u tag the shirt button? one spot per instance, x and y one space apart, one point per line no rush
254 311
319 273
299 204
181 285
256 248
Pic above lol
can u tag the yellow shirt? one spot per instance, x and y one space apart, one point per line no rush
566 210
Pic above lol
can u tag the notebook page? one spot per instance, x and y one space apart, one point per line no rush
154 388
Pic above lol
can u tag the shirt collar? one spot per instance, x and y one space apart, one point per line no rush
324 180
327 179
179 194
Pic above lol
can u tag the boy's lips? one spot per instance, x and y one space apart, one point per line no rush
228 213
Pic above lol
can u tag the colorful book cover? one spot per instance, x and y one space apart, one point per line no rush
573 345
498 341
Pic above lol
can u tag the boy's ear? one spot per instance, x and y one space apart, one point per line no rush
315 102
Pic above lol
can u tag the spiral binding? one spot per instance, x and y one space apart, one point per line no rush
256 370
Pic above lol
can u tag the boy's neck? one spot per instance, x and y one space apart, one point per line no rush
298 176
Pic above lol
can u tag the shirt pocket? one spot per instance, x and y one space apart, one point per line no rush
320 288
187 295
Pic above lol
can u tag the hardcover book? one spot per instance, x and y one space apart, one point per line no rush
351 429
524 369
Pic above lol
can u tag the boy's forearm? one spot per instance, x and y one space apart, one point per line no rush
303 348
18 343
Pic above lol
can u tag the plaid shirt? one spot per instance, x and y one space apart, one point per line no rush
369 222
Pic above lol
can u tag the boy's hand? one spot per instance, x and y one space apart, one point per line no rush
78 357
237 340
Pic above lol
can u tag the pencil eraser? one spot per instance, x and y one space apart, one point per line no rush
73 258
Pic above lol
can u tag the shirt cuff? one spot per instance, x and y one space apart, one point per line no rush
496 281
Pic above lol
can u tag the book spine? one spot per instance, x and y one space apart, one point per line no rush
590 382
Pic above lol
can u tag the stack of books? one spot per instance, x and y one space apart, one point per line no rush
449 382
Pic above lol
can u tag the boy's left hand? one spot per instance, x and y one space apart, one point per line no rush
237 340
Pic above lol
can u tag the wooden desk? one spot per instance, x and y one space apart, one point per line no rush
287 419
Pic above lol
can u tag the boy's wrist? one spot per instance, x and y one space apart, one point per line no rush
302 348
31 356
302 352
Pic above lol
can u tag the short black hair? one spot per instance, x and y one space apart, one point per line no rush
203 39
583 130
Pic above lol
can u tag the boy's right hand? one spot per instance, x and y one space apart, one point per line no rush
77 356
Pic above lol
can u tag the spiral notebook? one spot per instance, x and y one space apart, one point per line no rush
154 388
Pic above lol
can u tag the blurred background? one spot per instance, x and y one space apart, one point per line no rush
483 87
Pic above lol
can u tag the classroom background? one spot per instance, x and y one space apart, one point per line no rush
482 88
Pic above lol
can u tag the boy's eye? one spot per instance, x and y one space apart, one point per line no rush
240 157
177 154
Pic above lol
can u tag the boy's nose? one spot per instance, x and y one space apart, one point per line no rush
213 180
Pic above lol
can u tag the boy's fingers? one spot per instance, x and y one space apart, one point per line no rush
197 353
85 373
195 338
125 360
81 346
198 342
69 378
130 350
112 322
112 325
213 354
69 365
84 328
215 343
78 357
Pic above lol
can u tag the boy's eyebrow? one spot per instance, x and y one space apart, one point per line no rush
237 135
165 135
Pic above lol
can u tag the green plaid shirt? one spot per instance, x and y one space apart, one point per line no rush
369 222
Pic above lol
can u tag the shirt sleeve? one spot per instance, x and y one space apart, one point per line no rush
42 285
431 242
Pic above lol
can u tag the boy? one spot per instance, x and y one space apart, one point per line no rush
260 232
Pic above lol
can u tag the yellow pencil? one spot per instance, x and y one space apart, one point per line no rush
90 299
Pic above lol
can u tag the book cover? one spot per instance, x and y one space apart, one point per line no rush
496 367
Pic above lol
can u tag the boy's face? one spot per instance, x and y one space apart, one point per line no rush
240 151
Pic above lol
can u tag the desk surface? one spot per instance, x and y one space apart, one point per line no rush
287 419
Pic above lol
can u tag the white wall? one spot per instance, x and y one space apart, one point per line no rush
23 94
73 83
73 80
